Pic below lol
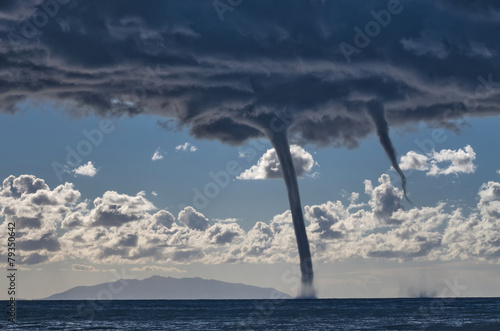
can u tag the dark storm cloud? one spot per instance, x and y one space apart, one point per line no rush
485 7
17 9
180 61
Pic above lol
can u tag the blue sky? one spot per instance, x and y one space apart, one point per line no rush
124 162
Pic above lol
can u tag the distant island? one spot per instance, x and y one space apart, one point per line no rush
157 288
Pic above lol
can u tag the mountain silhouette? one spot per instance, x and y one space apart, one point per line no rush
157 287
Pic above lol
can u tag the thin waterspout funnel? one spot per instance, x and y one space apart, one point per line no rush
280 142
377 112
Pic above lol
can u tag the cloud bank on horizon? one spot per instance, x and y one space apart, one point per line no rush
56 225
430 61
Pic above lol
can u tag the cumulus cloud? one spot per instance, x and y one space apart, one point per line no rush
456 161
73 220
477 236
37 211
385 198
157 155
268 166
489 203
86 170
186 147
164 218
415 161
115 209
193 219
119 228
461 161
223 233
323 218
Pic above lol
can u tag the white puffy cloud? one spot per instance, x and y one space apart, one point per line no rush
25 184
415 161
477 236
73 220
164 218
269 243
157 155
37 212
323 219
115 209
186 147
385 198
86 170
457 161
268 166
223 233
117 228
462 161
415 238
489 203
193 219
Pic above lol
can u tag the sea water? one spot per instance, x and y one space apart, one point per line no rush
321 314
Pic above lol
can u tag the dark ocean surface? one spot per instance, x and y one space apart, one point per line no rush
322 314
